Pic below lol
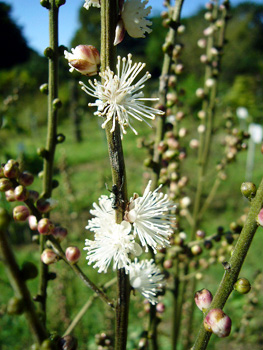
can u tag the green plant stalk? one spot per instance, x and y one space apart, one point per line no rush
235 263
159 136
51 140
163 88
20 288
109 12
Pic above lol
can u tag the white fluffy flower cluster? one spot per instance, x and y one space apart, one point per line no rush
118 98
147 218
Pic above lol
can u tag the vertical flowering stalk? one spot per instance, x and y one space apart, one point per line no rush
109 11
52 53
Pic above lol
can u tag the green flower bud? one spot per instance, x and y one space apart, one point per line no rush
20 213
5 185
248 189
242 286
44 88
11 169
48 52
57 103
45 3
60 138
60 2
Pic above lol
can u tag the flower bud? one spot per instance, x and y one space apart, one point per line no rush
200 234
68 342
44 88
72 254
21 193
260 218
201 43
5 184
200 93
11 169
194 144
208 244
203 299
242 286
48 256
84 58
25 178
248 189
29 270
45 226
21 213
33 195
32 222
217 322
160 307
15 306
196 249
60 233
10 195
168 264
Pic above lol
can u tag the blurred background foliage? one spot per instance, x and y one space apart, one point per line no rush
82 162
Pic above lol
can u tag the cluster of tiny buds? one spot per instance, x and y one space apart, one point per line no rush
104 341
14 183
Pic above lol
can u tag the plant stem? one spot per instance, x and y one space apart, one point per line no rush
19 285
85 307
236 261
109 11
163 88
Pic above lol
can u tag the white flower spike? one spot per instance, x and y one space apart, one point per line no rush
112 242
119 98
89 3
150 217
146 277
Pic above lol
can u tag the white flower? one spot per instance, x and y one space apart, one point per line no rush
150 217
112 242
146 277
94 3
104 214
133 15
118 98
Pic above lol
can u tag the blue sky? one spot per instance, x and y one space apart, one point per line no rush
33 18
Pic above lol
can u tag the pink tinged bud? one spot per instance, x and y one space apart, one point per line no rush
200 93
60 233
32 222
168 264
217 322
10 195
20 213
21 193
200 234
33 195
242 286
45 227
203 299
260 218
119 32
85 59
160 307
73 254
49 257
11 169
5 185
26 178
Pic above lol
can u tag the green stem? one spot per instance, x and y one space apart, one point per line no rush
51 140
235 263
18 283
163 88
109 11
